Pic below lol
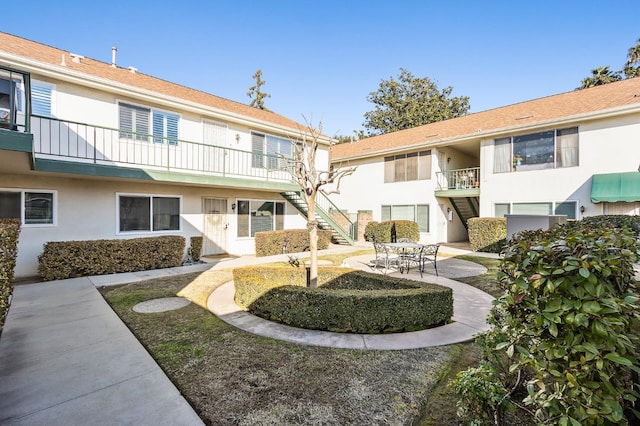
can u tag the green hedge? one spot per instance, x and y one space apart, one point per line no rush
391 230
568 322
269 243
487 234
346 300
68 259
9 232
195 250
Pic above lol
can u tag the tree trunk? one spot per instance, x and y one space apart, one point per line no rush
312 227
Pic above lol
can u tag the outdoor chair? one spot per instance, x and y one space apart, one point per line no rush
429 254
412 257
384 257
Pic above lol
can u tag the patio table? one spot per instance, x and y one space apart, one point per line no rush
401 250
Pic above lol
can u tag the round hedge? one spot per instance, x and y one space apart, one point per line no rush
346 300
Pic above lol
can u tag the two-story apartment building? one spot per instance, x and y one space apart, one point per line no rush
91 150
575 153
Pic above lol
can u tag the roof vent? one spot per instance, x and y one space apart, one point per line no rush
63 62
524 117
133 70
76 58
114 50
430 136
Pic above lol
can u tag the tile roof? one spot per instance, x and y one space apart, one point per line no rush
548 110
50 55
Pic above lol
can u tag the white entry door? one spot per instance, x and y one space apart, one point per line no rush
215 226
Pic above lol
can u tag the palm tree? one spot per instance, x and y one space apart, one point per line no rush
632 67
600 76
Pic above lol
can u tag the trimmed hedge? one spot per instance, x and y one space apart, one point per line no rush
9 232
195 250
346 301
269 243
391 230
487 234
68 259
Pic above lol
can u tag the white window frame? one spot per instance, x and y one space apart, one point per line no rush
254 200
150 197
554 206
259 158
51 97
222 126
390 207
54 206
150 135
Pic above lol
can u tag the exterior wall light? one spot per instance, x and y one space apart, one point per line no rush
233 207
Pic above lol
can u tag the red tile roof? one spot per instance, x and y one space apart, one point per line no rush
517 116
53 56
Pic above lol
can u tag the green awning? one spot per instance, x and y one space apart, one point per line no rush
613 187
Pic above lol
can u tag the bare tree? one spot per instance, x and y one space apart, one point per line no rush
303 168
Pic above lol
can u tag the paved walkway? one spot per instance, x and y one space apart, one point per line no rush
67 359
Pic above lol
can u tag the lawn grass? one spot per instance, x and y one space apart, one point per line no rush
231 377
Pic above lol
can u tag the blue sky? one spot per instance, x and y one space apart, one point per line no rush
320 59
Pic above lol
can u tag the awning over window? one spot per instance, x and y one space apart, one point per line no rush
613 187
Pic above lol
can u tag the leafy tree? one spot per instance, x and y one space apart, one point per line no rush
409 102
600 76
632 67
256 95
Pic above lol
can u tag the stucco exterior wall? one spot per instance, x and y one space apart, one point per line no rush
86 209
605 146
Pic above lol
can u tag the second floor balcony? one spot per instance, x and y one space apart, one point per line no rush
458 182
72 147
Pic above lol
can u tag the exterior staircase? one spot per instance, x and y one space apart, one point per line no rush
466 208
328 216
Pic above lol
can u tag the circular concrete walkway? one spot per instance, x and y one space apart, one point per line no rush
470 309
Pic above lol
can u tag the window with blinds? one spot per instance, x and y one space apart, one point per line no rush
268 149
407 167
138 123
41 94
418 213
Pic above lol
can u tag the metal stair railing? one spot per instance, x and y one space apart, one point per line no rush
325 208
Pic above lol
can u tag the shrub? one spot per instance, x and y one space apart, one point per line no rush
569 321
391 230
269 243
195 250
68 259
9 232
345 301
487 234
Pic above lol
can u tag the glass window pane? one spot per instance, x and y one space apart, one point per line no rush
135 213
424 166
389 169
401 168
385 213
502 155
166 214
41 99
423 217
534 151
532 208
501 209
38 207
567 208
279 216
243 218
10 205
257 146
412 166
261 216
403 213
567 147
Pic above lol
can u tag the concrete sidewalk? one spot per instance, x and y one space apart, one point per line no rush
67 359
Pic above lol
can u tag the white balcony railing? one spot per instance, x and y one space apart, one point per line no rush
468 178
79 142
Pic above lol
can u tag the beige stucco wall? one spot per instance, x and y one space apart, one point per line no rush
605 146
86 210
